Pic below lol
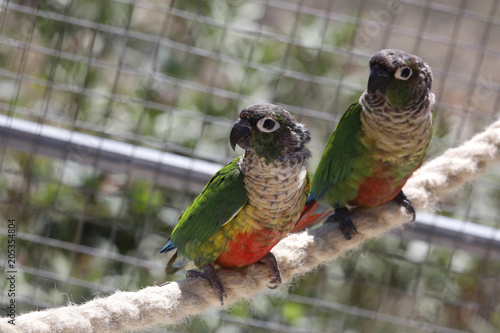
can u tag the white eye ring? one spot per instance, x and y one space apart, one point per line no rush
267 125
403 73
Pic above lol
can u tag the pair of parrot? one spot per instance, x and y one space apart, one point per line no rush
261 196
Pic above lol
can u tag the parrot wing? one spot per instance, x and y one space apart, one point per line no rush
221 198
341 153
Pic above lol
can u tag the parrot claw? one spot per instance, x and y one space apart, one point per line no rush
346 225
402 200
271 262
210 274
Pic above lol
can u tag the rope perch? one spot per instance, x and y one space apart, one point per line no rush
297 254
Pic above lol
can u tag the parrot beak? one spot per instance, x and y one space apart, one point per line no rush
377 81
240 132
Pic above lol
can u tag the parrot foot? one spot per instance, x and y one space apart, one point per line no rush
271 262
402 200
210 274
346 225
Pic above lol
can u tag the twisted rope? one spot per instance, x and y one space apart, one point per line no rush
297 254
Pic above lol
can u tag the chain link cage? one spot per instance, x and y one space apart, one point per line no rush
114 114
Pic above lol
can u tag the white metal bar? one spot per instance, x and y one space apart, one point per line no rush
111 155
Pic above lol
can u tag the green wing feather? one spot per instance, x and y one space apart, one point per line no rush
342 155
221 198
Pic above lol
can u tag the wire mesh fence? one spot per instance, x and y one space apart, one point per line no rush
116 113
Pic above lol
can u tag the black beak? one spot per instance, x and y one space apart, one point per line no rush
377 81
240 131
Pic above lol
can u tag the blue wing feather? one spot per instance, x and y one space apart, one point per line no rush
169 247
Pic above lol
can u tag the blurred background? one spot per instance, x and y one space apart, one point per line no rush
115 113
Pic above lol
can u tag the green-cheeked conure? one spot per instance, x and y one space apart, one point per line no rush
378 143
251 203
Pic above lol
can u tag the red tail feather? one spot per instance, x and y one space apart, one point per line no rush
309 220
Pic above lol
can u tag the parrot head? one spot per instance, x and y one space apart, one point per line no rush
270 132
401 79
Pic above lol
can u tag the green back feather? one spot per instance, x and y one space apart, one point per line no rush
221 198
343 160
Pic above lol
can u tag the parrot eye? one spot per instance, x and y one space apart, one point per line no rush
403 73
268 125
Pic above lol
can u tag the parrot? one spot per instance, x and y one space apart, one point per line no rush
378 143
249 204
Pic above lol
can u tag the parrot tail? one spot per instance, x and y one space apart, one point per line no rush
307 219
171 269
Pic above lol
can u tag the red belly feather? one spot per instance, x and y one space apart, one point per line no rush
381 188
247 248
376 191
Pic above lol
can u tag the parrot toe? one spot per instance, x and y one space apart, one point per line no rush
271 262
402 200
210 274
343 217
